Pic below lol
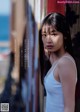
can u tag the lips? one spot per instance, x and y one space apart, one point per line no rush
49 46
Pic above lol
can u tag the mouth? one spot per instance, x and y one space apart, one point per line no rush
49 46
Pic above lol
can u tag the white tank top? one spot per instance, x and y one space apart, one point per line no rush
54 98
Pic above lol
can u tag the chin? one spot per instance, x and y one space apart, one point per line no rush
52 50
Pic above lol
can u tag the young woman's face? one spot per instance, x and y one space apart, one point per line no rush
52 39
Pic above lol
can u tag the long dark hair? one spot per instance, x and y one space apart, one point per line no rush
58 21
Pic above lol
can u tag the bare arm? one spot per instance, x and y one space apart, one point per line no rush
67 74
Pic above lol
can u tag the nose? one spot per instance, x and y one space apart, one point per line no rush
48 38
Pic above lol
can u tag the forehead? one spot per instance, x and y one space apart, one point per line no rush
47 28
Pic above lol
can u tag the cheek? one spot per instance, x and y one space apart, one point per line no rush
58 41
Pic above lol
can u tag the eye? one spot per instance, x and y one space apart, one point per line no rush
43 35
53 34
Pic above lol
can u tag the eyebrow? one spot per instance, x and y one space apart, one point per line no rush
53 31
50 30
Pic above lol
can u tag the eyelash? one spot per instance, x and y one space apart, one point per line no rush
53 34
44 35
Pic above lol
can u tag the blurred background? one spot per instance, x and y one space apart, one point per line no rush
20 75
5 9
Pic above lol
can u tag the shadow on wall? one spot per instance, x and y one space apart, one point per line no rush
71 16
76 44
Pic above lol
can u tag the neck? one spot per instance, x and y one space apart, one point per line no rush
54 56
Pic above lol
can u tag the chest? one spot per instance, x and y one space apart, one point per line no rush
51 82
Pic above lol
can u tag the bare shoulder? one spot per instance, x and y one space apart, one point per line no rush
67 69
67 75
67 62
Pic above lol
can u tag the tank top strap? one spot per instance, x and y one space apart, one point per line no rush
73 61
70 58
65 56
53 67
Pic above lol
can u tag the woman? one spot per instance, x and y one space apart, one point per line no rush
60 80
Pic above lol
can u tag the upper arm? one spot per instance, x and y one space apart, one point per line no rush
67 74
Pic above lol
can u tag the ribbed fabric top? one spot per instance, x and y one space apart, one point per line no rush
54 98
